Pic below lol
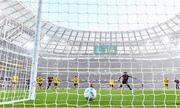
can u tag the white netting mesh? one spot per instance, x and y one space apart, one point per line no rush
15 67
87 43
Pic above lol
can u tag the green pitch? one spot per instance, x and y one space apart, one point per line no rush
105 99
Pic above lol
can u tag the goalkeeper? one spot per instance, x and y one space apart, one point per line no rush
40 80
14 80
76 81
56 81
125 78
166 83
111 83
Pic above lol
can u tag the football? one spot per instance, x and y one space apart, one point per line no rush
90 94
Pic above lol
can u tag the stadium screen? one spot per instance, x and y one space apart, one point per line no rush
105 49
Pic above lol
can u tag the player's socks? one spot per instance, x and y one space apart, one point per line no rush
129 87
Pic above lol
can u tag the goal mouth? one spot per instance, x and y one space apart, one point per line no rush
51 55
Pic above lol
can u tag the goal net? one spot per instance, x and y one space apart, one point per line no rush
52 50
15 67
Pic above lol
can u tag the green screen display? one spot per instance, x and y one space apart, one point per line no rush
105 49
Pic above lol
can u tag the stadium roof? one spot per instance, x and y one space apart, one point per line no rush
19 22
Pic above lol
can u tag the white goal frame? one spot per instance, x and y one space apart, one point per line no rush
33 74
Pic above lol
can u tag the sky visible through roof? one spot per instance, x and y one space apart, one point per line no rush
107 15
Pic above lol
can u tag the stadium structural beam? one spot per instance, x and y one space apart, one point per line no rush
35 54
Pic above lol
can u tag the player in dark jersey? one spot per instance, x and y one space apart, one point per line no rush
27 83
50 80
125 78
177 83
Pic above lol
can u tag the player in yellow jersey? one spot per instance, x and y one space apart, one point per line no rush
40 80
14 80
166 83
111 83
56 81
76 81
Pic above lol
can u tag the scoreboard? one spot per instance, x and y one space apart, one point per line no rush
105 49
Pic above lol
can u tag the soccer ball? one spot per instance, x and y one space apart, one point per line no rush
90 94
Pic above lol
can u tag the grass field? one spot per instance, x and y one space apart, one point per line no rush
105 99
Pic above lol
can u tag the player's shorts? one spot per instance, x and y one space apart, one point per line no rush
49 83
124 82
166 84
55 84
111 85
75 84
40 84
14 82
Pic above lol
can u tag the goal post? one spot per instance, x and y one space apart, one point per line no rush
35 55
